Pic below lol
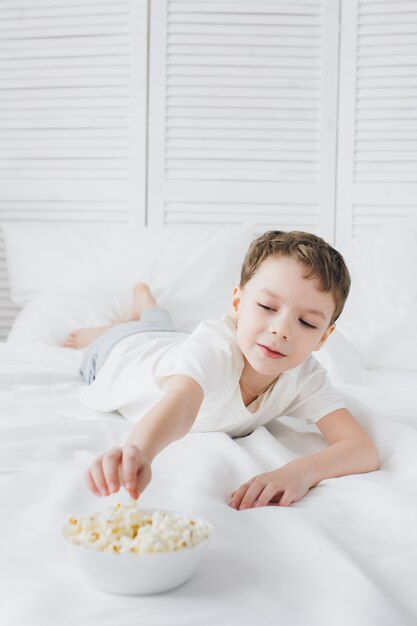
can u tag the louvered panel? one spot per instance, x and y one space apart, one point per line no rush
379 64
72 113
393 88
251 69
384 9
100 60
242 105
244 175
370 217
399 145
265 113
244 99
252 135
262 215
58 210
266 53
55 76
377 147
262 145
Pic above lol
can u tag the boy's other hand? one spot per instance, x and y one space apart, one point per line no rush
280 487
125 466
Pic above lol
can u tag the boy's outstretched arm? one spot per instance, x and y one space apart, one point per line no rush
168 420
351 451
171 418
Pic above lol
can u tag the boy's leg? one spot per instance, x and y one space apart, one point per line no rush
154 322
142 300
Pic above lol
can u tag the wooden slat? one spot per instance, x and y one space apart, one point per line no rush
72 115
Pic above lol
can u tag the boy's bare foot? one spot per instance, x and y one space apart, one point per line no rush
84 336
142 300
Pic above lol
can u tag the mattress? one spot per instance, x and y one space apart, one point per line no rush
345 554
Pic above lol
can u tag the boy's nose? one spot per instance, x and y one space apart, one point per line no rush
281 328
283 334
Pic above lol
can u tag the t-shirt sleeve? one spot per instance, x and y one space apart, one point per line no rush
206 355
315 397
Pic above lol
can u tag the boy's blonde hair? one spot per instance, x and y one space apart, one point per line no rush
324 262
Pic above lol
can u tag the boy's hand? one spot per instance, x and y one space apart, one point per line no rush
282 486
127 467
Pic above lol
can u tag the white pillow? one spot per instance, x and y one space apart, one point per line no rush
50 319
191 270
379 319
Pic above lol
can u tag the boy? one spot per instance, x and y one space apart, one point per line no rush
234 374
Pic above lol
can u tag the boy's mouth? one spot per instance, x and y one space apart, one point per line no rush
272 354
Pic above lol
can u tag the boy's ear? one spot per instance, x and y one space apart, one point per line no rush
325 337
235 301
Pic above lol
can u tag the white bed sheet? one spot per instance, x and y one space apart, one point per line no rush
345 554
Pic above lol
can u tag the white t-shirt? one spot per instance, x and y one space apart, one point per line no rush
135 374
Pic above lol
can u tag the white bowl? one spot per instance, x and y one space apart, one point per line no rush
138 574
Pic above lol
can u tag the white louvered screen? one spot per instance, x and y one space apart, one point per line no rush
242 113
73 79
377 146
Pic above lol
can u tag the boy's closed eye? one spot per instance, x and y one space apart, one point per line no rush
267 308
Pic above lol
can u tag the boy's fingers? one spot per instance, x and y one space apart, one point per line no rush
91 484
98 477
237 498
238 494
251 495
285 499
142 480
130 467
110 463
144 477
266 495
134 494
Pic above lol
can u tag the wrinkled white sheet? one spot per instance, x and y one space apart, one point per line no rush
345 554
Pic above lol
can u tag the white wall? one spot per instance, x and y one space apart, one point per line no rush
294 114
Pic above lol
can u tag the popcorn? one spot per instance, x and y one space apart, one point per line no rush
125 528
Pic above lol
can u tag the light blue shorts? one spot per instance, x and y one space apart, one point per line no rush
153 323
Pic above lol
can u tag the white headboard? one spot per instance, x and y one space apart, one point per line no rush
293 115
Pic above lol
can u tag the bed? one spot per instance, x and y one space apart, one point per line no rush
345 554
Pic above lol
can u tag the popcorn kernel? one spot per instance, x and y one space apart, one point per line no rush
160 531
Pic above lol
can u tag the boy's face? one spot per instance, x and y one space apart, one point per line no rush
286 325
